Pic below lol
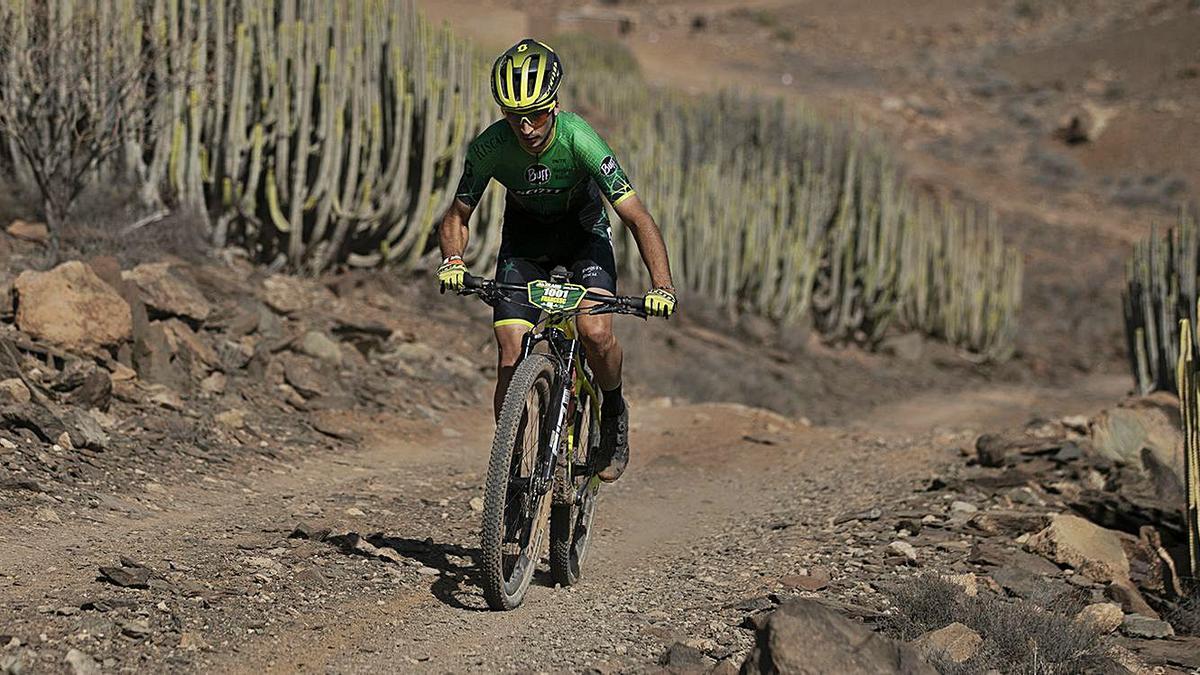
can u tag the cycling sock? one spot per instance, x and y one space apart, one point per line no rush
613 402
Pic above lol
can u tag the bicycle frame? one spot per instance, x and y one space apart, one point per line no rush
561 337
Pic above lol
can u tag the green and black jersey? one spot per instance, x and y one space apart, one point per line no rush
562 184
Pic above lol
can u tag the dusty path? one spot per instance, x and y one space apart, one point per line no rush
721 502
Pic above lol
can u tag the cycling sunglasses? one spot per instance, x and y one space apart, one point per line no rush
537 120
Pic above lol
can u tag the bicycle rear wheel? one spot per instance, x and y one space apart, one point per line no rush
515 515
575 504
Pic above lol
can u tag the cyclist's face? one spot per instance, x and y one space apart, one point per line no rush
532 129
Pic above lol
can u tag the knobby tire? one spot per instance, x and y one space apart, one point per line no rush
532 383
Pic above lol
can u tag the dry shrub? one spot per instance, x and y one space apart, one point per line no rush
1184 615
103 222
1018 637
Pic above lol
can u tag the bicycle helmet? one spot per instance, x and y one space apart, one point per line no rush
526 77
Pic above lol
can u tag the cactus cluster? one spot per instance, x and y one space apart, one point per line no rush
768 208
1160 290
1189 408
317 130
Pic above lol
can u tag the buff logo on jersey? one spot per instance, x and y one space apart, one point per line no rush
537 174
608 166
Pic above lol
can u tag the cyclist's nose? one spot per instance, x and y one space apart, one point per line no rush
527 128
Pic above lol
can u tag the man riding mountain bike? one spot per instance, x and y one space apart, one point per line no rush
556 170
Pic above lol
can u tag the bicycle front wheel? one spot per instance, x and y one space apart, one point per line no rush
515 515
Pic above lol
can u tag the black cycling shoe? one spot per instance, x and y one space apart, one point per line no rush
614 445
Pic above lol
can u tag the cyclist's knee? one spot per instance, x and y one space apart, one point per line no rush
597 336
508 343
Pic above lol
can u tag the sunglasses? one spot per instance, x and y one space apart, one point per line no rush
537 120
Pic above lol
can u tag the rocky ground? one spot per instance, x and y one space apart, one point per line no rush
207 467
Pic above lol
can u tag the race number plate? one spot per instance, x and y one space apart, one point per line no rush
555 297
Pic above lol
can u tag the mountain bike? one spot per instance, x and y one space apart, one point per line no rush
542 469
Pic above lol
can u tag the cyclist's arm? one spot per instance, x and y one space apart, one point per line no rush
649 240
453 232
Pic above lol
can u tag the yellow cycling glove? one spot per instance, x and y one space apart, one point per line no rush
451 274
660 302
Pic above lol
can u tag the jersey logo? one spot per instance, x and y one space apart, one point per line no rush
537 174
533 192
608 166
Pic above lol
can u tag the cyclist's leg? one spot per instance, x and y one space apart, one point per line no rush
511 320
595 268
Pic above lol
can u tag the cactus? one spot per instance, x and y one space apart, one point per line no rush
769 209
323 132
1189 408
1160 291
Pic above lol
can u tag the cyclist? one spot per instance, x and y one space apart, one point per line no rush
556 170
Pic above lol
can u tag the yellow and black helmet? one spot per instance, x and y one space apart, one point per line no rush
526 77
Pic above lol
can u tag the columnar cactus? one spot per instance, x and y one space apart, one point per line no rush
1160 290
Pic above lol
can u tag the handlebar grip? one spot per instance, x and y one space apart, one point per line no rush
472 282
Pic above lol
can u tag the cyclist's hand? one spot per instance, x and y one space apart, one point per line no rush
660 302
451 274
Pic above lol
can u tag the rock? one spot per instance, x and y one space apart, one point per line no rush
137 629
168 290
24 230
804 636
127 577
1076 423
285 294
155 360
306 531
73 374
190 347
304 378
907 347
476 504
334 424
72 307
7 444
14 391
1126 594
956 642
95 392
319 346
190 642
166 398
963 507
85 430
1138 626
214 384
815 580
6 298
967 581
1083 124
681 658
1092 550
1022 583
1101 617
902 549
356 512
82 664
232 419
1150 423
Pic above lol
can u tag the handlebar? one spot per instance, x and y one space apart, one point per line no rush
616 303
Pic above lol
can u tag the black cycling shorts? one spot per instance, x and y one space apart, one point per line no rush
588 257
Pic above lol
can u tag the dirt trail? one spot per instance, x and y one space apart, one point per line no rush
703 521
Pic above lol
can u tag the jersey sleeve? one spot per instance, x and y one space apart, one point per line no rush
477 169
595 155
472 183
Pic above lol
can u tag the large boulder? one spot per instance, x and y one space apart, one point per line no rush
1094 551
167 290
804 636
71 307
25 230
1145 433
